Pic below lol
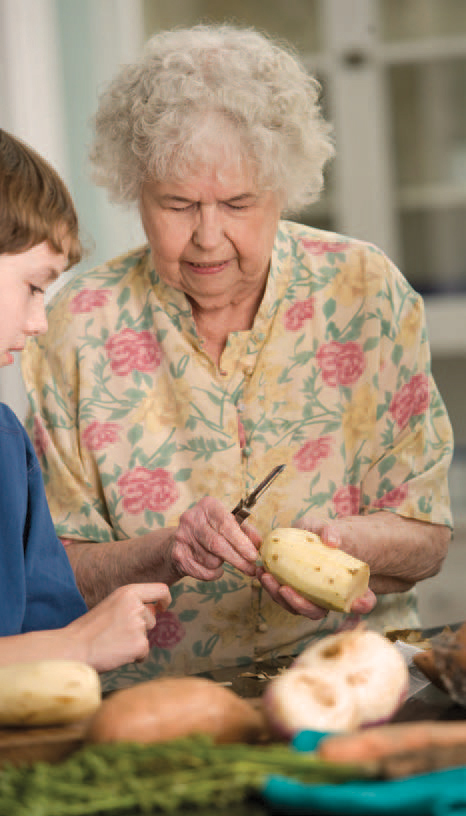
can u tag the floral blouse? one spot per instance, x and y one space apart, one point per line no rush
133 423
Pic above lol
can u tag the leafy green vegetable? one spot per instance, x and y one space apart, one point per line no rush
131 778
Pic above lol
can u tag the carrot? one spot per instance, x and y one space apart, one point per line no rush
383 741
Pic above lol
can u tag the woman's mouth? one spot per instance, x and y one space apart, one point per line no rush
209 268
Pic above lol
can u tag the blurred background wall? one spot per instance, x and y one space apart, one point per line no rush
393 74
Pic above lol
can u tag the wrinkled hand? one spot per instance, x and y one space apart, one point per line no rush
116 630
207 536
394 547
288 598
291 600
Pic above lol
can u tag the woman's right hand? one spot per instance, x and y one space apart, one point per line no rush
207 535
116 630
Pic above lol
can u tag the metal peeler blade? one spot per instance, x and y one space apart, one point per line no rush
244 506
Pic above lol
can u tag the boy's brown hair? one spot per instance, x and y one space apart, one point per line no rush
35 204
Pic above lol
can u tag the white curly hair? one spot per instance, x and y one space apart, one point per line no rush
212 94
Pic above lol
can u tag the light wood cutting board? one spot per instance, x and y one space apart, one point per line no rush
23 745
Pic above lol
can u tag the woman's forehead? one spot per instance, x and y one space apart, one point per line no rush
212 178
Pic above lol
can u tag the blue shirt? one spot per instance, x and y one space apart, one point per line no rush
37 586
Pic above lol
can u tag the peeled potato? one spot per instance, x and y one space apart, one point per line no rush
48 692
165 708
324 575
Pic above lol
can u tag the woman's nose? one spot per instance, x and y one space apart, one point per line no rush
208 231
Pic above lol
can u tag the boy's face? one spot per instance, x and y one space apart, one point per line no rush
24 277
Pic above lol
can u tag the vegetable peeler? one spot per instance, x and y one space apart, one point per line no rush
244 506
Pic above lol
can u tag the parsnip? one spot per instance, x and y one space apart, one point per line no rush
48 692
324 575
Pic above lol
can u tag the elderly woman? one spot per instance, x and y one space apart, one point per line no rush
173 378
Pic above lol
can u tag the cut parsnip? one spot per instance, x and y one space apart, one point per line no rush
324 575
48 692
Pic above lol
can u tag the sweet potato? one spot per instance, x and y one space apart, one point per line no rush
165 708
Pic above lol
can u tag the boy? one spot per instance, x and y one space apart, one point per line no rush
42 613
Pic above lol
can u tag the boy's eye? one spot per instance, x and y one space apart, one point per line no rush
35 290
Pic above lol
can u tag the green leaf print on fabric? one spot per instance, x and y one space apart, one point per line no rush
124 296
329 307
135 434
386 464
188 615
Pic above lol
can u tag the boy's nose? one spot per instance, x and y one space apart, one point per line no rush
37 320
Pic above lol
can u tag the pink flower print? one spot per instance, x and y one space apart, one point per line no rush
312 453
99 435
40 439
341 363
167 632
346 500
129 350
144 489
298 313
322 247
241 434
401 406
411 399
394 497
419 384
88 299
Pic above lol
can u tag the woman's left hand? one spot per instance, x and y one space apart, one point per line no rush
399 551
293 602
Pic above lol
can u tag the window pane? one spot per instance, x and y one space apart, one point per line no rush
429 122
434 249
294 20
416 19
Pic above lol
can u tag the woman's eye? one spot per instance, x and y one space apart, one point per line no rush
239 205
180 208
35 290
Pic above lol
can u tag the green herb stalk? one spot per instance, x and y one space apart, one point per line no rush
131 778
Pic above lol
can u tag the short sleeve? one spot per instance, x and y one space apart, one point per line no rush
52 376
413 440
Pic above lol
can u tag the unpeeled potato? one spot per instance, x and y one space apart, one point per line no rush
166 708
47 692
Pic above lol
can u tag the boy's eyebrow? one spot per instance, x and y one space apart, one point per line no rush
51 274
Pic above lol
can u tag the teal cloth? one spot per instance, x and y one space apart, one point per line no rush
440 793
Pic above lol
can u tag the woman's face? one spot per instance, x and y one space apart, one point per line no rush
24 277
212 238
